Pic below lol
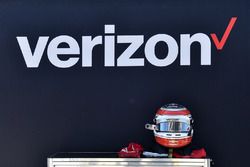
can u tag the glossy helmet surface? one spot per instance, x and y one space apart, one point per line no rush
173 126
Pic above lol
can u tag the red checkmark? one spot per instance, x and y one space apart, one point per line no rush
219 44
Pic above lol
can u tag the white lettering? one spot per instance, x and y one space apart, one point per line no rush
135 42
172 50
186 42
32 60
54 51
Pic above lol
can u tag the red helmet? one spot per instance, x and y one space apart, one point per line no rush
173 126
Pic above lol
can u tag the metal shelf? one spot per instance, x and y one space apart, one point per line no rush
78 160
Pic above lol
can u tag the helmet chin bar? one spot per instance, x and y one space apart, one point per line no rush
151 127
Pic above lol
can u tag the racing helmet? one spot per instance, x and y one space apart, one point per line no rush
173 126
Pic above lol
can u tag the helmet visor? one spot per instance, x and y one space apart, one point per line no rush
173 126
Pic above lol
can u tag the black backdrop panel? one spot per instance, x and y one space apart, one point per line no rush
47 109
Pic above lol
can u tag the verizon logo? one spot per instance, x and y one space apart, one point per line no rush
110 40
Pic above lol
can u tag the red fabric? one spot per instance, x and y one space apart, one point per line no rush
201 153
133 150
